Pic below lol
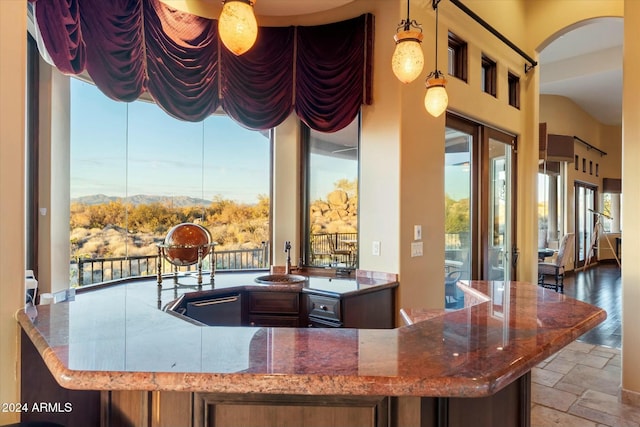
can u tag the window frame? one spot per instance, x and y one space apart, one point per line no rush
458 58
489 73
32 155
513 81
305 197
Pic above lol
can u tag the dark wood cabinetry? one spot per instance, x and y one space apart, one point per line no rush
324 310
270 410
272 309
372 308
367 310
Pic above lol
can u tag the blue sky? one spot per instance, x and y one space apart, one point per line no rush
170 157
457 175
166 156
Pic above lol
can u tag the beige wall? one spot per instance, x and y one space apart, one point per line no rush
631 205
13 25
54 190
286 191
564 117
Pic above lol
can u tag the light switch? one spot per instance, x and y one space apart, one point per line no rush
417 232
375 248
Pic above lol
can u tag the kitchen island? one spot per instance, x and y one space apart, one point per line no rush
153 368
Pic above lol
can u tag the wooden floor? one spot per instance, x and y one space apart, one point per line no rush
601 286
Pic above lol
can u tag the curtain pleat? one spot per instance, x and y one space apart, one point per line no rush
114 31
132 46
329 78
257 87
182 61
62 35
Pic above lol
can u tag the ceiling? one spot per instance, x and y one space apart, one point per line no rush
211 8
585 65
294 7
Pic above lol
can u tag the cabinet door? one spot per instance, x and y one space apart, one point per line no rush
324 307
316 322
274 320
274 302
213 410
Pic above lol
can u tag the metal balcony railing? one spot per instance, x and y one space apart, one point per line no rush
89 271
333 249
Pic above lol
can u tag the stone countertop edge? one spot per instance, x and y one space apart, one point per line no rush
550 340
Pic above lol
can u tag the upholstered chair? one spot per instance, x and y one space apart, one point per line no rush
557 267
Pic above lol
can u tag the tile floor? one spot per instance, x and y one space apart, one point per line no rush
579 387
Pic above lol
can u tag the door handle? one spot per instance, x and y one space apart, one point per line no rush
515 253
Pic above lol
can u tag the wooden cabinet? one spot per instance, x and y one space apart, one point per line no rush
324 310
212 410
372 307
272 309
367 310
219 310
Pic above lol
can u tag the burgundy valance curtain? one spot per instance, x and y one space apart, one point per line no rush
129 47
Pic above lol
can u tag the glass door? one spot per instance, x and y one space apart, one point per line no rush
480 200
458 215
585 199
499 218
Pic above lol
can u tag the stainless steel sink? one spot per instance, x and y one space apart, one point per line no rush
281 279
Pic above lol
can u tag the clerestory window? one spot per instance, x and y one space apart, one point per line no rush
489 76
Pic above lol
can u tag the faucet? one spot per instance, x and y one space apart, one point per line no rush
287 250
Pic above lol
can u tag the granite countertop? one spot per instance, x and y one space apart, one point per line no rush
115 338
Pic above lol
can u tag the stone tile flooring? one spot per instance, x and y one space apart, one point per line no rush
579 387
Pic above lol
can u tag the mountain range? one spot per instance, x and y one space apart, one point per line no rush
142 199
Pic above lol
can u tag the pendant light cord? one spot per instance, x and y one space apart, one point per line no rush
436 37
435 6
408 1
406 24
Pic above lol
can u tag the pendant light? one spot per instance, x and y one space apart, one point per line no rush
436 98
237 25
407 60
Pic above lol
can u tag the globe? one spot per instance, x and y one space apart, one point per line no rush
182 242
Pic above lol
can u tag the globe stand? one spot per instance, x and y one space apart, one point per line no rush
185 245
202 250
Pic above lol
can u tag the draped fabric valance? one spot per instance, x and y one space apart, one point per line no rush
129 47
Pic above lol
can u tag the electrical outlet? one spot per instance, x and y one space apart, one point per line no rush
375 248
416 249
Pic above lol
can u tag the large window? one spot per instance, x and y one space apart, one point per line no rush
136 172
331 199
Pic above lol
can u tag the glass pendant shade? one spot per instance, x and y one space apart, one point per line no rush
407 60
436 99
237 26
